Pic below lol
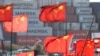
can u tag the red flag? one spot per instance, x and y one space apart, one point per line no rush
19 24
55 44
6 12
88 49
25 54
53 13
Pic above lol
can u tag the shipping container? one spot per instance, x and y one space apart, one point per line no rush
35 22
24 40
63 26
22 4
95 35
59 33
30 13
55 26
37 31
47 24
74 26
80 3
83 10
97 14
89 26
72 18
70 10
87 18
79 34
70 26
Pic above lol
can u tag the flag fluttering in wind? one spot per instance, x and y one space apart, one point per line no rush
58 44
6 12
53 13
25 54
88 49
18 24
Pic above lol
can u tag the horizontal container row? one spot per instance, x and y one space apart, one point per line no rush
37 31
74 26
80 18
23 40
39 3
79 10
36 4
31 40
70 10
79 26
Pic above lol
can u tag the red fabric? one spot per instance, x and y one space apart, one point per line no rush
25 54
6 12
18 24
60 44
53 13
88 50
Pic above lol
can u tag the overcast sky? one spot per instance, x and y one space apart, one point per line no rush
94 0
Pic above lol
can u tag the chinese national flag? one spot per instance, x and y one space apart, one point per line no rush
53 13
25 54
88 49
6 12
18 24
57 44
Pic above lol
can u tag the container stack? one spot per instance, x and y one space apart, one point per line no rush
79 15
86 19
96 12
36 30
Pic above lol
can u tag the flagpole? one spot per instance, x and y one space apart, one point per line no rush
11 39
2 46
11 35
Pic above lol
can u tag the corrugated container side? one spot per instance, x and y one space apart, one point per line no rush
21 4
80 3
35 22
95 35
23 40
72 18
79 34
55 26
30 13
74 26
70 26
83 10
86 26
87 18
59 33
63 26
70 10
37 31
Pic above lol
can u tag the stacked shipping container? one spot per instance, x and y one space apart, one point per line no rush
79 18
